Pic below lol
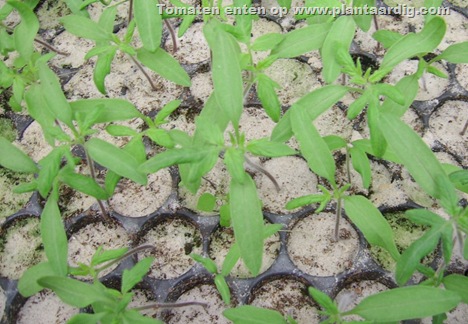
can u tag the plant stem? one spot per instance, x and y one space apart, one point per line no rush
170 305
130 12
173 35
153 86
93 175
265 172
338 216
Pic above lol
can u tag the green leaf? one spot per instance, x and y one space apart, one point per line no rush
411 257
101 255
234 160
320 100
55 100
14 159
86 318
406 303
226 71
386 37
268 96
120 130
102 69
301 41
85 28
340 36
371 223
168 109
362 165
160 137
421 163
305 200
50 166
83 184
253 315
460 180
264 147
283 130
247 221
54 237
456 53
391 92
110 110
73 292
115 159
209 264
206 202
133 276
414 44
132 316
324 300
334 142
174 157
458 284
363 21
223 288
28 285
408 85
165 65
435 71
357 106
26 30
267 42
149 23
379 145
312 145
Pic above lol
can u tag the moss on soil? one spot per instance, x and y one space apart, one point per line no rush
12 202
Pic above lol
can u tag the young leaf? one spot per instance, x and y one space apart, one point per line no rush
386 37
209 264
267 95
14 159
101 255
86 28
149 23
206 202
120 130
110 110
312 145
175 156
456 53
247 220
226 62
28 285
301 41
132 316
372 224
84 184
264 147
50 166
391 92
458 284
411 257
54 237
102 69
305 200
406 303
234 160
324 300
421 163
357 106
223 288
84 318
73 292
26 30
340 36
362 165
283 130
133 276
334 142
408 85
166 111
251 314
115 159
378 142
55 100
413 44
363 21
267 42
160 137
165 65
460 180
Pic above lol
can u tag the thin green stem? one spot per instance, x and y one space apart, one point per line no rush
338 217
93 175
